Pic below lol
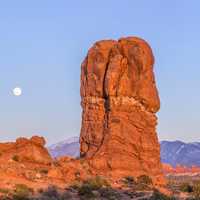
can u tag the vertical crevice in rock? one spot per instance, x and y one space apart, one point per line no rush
106 105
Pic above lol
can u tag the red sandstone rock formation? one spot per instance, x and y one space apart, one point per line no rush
28 162
24 149
119 101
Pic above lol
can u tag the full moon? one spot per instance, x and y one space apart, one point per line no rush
17 91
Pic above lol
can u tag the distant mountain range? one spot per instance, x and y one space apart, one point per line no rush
177 152
69 147
172 152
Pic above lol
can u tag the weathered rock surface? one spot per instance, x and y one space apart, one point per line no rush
28 162
119 101
24 149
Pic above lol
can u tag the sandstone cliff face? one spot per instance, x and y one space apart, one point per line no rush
119 101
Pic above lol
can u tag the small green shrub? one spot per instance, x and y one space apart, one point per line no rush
129 181
196 190
4 190
142 187
15 158
110 194
186 187
97 182
22 192
144 179
88 187
51 192
159 196
76 185
144 182
86 190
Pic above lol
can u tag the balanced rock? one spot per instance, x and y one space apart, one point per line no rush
119 100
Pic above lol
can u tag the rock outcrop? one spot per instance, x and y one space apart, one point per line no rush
119 100
180 170
31 150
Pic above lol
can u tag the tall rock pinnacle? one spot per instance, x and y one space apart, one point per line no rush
119 100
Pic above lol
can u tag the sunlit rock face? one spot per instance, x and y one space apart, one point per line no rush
23 149
119 100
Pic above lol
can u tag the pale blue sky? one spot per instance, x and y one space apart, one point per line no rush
42 44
